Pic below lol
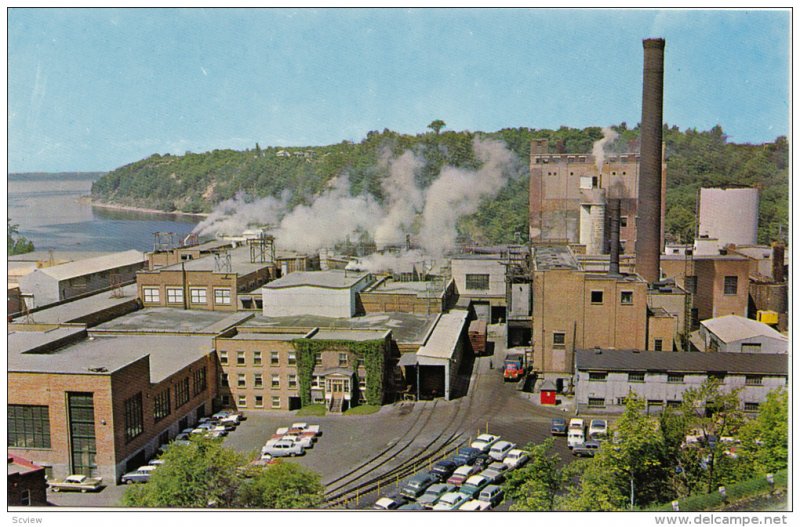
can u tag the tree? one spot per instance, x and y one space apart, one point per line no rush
282 486
535 486
765 439
437 125
17 244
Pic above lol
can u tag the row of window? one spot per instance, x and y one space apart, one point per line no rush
258 401
317 382
582 159
599 402
197 295
730 285
275 358
673 378
625 297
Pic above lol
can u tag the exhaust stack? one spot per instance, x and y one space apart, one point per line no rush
648 220
613 207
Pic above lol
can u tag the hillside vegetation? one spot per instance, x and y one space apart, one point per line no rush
197 182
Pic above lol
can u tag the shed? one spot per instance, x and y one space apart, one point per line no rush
439 358
548 392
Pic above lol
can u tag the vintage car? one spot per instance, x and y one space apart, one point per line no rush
76 482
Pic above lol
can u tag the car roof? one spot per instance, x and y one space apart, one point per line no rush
502 444
491 488
559 420
475 479
516 451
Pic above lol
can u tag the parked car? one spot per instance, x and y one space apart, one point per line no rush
451 501
76 482
598 428
302 440
307 428
492 494
575 437
515 458
482 461
443 469
576 423
500 450
283 448
475 505
389 503
466 455
484 442
140 475
474 485
413 506
496 472
461 474
156 462
434 492
586 449
558 426
416 486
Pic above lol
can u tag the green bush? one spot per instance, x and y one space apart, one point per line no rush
312 410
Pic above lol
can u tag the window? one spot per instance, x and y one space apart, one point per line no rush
658 344
597 297
637 376
720 376
673 404
151 295
242 402
25 497
586 182
240 358
259 401
133 417
599 376
360 362
276 401
731 285
343 359
318 359
621 401
242 381
691 284
626 298
362 383
292 358
753 380
316 381
258 380
256 358
28 426
559 339
596 402
182 392
222 297
276 381
750 407
200 380
478 281
226 401
675 378
292 382
198 295
174 295
623 221
223 357
224 380
274 358
751 347
161 405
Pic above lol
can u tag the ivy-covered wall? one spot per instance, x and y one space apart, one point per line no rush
372 351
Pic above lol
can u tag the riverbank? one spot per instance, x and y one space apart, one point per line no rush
88 200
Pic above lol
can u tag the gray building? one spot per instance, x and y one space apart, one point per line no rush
481 279
735 334
49 285
604 378
322 293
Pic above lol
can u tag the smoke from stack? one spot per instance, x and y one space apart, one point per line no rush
598 148
648 221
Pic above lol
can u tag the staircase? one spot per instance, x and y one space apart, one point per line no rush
336 405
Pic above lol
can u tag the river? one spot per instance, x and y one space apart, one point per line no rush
49 212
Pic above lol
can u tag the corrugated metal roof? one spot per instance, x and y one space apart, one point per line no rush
731 328
93 265
630 360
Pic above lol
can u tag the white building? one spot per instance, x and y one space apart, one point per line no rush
735 334
729 215
482 280
322 293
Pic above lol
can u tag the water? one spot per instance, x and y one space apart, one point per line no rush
49 212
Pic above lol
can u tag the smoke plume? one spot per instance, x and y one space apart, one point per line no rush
598 148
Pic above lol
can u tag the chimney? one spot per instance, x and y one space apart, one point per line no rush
648 218
777 262
613 209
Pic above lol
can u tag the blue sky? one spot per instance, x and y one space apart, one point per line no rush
94 89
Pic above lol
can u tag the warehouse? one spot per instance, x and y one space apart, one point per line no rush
735 334
481 280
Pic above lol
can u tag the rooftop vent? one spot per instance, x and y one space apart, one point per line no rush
98 369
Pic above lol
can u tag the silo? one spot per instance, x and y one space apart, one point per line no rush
729 215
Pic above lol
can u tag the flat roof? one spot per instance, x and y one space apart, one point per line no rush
172 320
348 334
102 355
427 289
690 362
268 336
58 256
695 257
730 328
406 327
240 263
547 257
210 245
77 309
445 335
332 279
23 341
94 265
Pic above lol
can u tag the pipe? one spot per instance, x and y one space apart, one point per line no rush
613 208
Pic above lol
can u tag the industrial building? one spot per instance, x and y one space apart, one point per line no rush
26 483
48 285
332 293
102 404
604 378
420 297
89 310
480 279
735 334
165 254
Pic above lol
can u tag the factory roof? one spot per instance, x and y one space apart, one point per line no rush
622 277
350 334
240 263
333 279
57 256
731 328
757 252
695 257
208 246
173 320
472 256
20 465
20 340
75 310
631 360
93 265
387 286
549 257
268 336
442 342
406 327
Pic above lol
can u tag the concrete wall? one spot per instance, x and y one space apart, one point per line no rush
768 345
310 300
461 267
47 290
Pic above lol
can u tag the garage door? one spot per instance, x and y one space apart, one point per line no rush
431 381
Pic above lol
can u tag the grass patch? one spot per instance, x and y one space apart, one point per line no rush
364 409
312 410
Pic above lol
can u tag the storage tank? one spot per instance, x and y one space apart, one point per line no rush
729 215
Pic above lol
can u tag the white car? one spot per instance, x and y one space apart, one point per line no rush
575 437
576 423
307 428
598 428
484 442
283 447
451 501
282 431
515 458
475 505
305 441
500 450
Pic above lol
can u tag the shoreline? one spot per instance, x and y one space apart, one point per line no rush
113 206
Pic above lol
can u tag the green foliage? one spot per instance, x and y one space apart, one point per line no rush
534 487
282 485
17 244
364 409
765 439
437 125
312 410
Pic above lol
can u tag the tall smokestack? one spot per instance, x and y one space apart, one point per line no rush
613 210
648 220
777 262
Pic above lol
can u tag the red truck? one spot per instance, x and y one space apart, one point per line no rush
514 366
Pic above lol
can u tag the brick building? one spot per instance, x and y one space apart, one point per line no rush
27 484
424 298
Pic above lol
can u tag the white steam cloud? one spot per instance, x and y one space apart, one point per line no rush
598 148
